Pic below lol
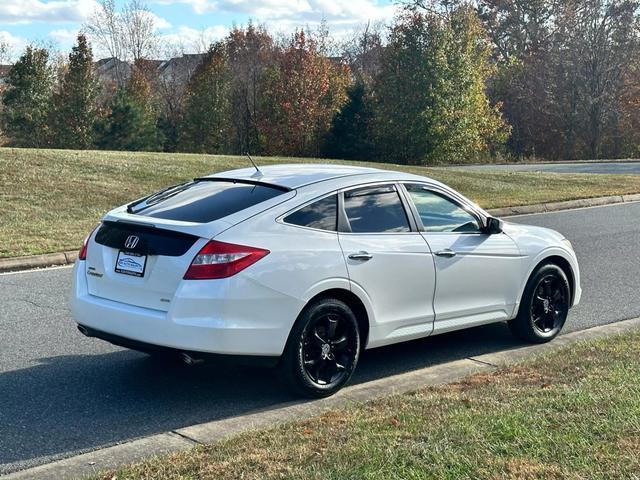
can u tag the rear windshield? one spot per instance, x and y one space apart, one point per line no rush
207 201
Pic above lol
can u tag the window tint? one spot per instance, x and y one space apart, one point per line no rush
439 214
375 210
206 201
322 214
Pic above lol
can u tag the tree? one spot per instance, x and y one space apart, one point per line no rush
564 67
522 35
350 136
605 43
74 103
363 52
431 102
139 27
5 52
205 123
251 51
106 29
132 121
27 98
302 92
126 35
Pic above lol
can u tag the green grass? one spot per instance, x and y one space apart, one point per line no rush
574 415
50 199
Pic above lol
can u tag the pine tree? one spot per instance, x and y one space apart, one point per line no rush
27 98
132 123
74 104
206 120
350 136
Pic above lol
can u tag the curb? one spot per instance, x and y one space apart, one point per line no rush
542 162
211 432
567 205
37 261
69 257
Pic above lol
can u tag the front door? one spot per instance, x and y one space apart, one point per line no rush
477 273
388 259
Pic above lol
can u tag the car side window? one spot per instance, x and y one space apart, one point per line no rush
321 215
375 210
440 214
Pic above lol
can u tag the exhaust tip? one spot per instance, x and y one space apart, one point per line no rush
189 360
83 330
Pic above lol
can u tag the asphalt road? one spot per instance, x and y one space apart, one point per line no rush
592 167
62 393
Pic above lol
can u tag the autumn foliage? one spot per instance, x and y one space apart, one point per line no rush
302 92
444 82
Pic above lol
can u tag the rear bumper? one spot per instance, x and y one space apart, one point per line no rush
254 360
213 317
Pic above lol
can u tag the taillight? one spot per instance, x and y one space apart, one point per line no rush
222 260
83 251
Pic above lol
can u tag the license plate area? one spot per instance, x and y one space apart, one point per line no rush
130 263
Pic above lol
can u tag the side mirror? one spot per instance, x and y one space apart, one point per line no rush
494 226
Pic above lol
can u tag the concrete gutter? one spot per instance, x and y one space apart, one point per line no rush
69 257
211 432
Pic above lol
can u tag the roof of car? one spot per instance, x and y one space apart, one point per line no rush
298 175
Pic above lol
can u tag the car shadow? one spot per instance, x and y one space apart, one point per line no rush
67 404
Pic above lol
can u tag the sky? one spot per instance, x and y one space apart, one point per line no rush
185 23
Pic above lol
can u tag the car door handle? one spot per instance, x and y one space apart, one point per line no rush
446 253
361 256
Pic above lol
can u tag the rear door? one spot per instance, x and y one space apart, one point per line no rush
388 258
477 274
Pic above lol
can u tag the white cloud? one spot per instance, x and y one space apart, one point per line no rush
64 37
57 11
159 23
341 16
189 40
16 45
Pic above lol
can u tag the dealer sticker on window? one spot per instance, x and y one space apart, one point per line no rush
130 263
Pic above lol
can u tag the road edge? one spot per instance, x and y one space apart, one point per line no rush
207 433
31 262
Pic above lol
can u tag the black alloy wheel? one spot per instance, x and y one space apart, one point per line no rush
329 349
544 305
323 349
550 304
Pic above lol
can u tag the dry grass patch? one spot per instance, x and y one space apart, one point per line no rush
574 414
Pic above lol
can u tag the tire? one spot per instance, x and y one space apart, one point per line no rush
544 305
323 349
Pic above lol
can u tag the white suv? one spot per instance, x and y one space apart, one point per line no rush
303 266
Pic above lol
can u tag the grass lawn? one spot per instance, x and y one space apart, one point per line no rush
574 414
50 199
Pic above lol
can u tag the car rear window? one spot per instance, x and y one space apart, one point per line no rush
207 201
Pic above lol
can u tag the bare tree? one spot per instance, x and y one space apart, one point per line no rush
127 35
363 50
139 26
105 28
6 52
